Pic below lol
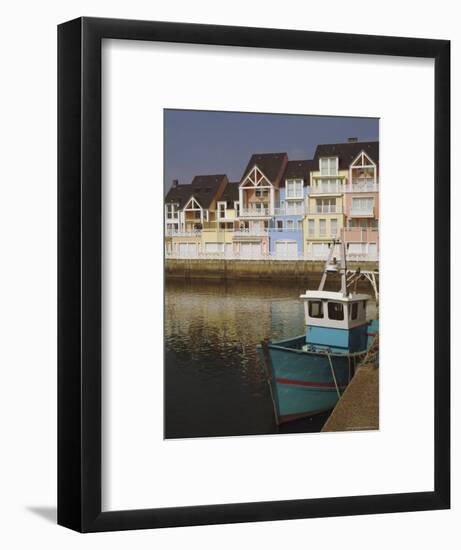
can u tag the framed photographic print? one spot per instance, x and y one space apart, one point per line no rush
253 274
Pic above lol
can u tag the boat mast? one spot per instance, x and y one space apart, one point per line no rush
343 269
325 269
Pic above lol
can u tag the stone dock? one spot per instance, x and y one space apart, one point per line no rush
358 407
250 269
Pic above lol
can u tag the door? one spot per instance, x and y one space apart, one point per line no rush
250 250
187 250
320 250
286 249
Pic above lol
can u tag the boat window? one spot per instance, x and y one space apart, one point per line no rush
354 310
315 309
335 311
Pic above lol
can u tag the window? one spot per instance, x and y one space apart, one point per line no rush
329 166
335 311
334 227
221 210
290 225
325 206
311 227
363 205
322 227
315 309
354 310
170 211
300 225
258 192
294 189
279 225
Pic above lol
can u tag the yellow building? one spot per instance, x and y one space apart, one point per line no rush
325 216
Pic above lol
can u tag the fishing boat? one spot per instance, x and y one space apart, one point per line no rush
307 374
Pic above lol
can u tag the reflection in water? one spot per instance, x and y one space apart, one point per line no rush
215 384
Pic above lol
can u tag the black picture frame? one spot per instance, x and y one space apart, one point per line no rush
79 274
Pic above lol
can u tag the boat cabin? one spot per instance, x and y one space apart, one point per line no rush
334 321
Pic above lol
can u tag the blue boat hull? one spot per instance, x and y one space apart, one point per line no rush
305 383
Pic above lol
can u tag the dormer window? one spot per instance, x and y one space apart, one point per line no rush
329 166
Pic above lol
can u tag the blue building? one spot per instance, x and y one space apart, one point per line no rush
286 227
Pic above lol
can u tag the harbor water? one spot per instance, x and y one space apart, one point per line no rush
214 382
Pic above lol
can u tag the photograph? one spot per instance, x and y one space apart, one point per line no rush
271 307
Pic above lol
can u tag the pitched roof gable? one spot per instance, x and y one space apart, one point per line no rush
272 165
299 169
347 152
204 188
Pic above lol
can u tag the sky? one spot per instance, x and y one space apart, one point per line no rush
208 142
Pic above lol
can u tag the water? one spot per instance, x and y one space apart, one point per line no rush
215 384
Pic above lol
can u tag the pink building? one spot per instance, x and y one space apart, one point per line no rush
359 162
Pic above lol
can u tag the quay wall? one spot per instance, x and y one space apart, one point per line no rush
250 269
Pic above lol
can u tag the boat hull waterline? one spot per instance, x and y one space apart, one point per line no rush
306 383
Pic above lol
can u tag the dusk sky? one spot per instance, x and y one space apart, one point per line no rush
205 142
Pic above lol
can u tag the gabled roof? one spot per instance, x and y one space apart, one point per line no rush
202 188
270 164
178 195
231 192
299 169
347 152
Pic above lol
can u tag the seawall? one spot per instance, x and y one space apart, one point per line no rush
250 269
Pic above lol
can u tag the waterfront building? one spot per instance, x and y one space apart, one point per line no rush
324 218
280 208
286 227
190 210
344 200
259 192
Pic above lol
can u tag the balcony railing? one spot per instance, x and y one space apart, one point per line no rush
362 186
181 233
251 232
326 209
254 212
360 234
327 187
293 211
362 212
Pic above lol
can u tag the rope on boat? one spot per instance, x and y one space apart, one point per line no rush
334 375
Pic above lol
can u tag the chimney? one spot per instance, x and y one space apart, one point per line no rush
174 184
352 140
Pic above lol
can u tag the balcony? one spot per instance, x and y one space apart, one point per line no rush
362 186
180 233
360 234
326 186
326 209
254 212
290 211
367 212
254 232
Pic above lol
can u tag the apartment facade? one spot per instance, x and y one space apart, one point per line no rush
259 192
286 226
281 208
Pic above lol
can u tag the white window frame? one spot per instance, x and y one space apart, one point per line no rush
329 171
221 207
